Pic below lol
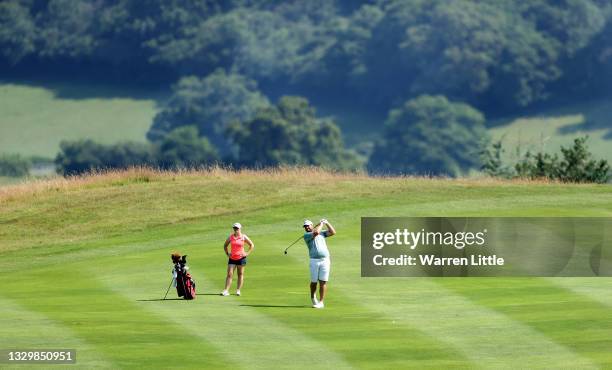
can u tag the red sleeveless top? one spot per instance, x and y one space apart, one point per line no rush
237 243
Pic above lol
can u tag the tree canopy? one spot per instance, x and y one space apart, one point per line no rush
495 55
290 133
210 104
430 135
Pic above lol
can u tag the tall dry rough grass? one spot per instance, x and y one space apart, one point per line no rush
311 175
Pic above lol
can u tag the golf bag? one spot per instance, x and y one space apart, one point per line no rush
185 285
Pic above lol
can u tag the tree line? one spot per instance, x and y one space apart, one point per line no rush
437 67
224 118
496 55
428 135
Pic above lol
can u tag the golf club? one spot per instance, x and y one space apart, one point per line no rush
291 245
298 239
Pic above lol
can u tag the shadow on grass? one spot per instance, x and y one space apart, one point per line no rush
173 299
595 117
80 88
272 305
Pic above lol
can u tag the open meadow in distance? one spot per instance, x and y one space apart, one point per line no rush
36 118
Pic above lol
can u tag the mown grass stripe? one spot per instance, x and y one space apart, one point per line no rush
113 228
488 338
573 320
273 322
596 288
240 334
115 327
26 329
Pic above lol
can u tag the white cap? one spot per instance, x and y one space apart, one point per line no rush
237 224
308 223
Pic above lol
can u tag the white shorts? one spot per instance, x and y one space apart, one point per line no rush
319 269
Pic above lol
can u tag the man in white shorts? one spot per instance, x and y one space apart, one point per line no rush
319 258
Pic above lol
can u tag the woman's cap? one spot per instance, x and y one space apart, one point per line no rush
237 225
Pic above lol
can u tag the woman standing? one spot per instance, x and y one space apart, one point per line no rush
237 257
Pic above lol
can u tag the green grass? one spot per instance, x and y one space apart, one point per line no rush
84 262
35 119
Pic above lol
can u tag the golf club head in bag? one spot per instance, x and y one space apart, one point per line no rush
185 285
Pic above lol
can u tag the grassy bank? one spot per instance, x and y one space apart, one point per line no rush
92 259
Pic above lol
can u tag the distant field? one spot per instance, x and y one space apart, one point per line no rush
86 263
549 130
34 119
546 131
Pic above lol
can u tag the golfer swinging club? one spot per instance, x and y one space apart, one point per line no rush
319 258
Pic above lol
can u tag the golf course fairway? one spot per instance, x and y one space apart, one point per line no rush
85 262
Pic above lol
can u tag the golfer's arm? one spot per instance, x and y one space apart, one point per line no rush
227 241
250 243
330 230
317 229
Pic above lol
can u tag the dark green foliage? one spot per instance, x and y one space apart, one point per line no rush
183 148
577 165
263 40
17 31
492 161
82 156
210 104
430 136
496 55
290 134
540 165
479 51
13 165
492 54
66 29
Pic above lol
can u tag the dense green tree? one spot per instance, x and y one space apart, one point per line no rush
578 164
497 55
14 165
271 40
183 148
430 135
493 163
290 133
171 30
66 29
490 53
569 24
588 73
210 104
575 165
76 157
17 31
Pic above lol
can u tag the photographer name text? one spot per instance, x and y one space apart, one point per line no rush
413 239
